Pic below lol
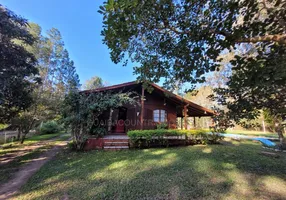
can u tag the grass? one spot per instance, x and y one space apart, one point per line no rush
235 170
28 141
253 133
7 169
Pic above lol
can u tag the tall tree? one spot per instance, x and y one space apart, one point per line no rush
183 40
93 83
59 78
258 84
200 96
56 69
17 66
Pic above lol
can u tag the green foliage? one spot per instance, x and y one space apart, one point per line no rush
236 171
24 121
184 40
18 73
81 110
56 69
50 127
58 76
93 83
156 133
221 120
3 126
257 84
147 138
71 145
98 131
162 126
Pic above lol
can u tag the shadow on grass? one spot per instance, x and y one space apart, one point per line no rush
194 172
9 166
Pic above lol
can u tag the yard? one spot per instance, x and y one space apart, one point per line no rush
14 155
252 133
234 170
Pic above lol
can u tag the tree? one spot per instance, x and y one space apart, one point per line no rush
81 111
183 40
59 78
56 69
93 83
18 70
200 96
258 84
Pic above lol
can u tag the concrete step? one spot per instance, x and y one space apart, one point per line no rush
115 140
115 143
115 147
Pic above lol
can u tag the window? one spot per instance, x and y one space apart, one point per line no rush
159 116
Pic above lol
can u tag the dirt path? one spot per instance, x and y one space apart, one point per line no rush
14 154
10 188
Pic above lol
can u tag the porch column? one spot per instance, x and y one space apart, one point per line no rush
185 117
182 123
195 122
109 121
142 109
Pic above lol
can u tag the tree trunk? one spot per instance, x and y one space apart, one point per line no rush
19 134
282 140
23 138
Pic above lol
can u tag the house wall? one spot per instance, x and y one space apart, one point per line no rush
153 102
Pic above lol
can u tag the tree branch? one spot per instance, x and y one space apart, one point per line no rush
281 39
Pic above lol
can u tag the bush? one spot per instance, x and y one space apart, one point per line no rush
163 137
71 145
162 126
98 131
50 127
3 126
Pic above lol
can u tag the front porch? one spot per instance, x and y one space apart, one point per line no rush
108 142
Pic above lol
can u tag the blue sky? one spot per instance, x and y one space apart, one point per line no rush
80 26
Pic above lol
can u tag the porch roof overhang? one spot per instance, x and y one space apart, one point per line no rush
193 109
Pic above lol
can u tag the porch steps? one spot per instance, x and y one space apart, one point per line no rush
115 140
115 144
114 148
118 144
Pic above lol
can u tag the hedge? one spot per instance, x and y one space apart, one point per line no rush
50 127
161 137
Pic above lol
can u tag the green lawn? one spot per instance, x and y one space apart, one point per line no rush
234 170
29 141
253 133
7 169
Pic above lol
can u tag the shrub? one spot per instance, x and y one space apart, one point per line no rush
3 126
50 127
71 145
98 131
163 137
162 126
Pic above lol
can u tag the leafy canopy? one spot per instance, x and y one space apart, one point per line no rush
58 75
93 83
181 40
82 110
17 66
185 39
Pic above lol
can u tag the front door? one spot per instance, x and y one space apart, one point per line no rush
120 125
